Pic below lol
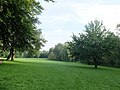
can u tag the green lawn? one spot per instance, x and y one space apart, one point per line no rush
41 74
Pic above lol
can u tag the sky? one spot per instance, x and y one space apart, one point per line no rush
61 19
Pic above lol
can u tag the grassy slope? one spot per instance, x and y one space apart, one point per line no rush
41 74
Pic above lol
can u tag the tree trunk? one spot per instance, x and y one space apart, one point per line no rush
95 65
11 55
95 62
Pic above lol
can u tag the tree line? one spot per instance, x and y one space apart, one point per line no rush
97 45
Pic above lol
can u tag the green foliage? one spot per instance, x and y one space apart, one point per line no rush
49 0
59 52
3 53
96 46
41 74
44 54
17 25
51 56
112 43
64 53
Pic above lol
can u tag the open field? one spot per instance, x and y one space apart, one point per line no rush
41 74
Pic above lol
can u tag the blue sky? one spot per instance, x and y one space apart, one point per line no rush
61 19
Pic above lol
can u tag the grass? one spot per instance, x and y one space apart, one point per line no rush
41 74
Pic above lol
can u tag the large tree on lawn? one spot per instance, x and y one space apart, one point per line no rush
95 34
17 25
89 46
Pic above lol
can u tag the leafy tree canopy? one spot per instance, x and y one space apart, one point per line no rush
17 25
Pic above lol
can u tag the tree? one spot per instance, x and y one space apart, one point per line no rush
95 33
44 54
89 46
114 48
112 44
59 52
76 47
64 53
51 55
17 25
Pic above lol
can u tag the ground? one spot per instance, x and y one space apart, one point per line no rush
43 74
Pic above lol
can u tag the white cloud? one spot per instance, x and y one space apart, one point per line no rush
59 30
61 19
108 13
65 17
84 12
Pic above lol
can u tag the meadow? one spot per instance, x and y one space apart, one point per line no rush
43 74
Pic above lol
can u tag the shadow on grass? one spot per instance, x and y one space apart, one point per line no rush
81 67
10 64
90 67
3 59
29 63
23 63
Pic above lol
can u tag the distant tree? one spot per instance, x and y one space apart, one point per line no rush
59 53
44 54
51 55
64 53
